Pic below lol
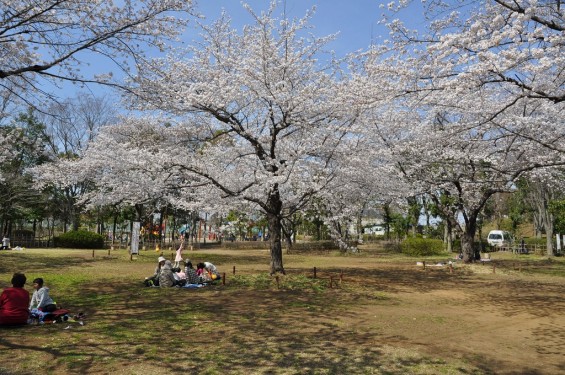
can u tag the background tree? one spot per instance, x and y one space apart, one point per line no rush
26 146
472 101
70 126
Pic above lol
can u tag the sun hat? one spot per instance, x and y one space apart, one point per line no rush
161 259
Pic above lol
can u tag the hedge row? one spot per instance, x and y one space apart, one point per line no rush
422 246
80 240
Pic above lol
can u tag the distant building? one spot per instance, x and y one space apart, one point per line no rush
372 223
377 229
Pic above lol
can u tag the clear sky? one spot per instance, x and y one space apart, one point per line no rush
356 21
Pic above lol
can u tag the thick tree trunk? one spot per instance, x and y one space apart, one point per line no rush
546 219
274 210
275 229
468 241
467 248
114 227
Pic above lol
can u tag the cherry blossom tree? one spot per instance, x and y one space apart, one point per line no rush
474 102
257 116
45 43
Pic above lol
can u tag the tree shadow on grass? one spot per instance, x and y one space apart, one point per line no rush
16 261
223 330
220 329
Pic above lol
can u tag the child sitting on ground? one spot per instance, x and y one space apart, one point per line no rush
41 303
207 272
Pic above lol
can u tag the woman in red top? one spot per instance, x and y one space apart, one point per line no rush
14 302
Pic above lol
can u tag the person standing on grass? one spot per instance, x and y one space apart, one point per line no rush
5 243
14 302
41 303
178 257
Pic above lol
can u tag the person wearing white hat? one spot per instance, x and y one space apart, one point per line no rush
154 280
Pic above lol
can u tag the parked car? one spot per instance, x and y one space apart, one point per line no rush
499 238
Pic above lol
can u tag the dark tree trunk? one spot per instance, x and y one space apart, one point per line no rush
115 225
274 210
468 238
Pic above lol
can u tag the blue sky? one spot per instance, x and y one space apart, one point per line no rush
357 22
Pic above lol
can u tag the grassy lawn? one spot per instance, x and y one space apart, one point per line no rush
381 314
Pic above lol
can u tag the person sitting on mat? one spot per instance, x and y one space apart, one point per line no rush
14 302
154 280
166 277
207 272
191 276
41 303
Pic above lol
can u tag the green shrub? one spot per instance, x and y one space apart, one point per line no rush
422 246
541 241
80 239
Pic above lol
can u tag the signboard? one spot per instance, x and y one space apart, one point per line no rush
135 232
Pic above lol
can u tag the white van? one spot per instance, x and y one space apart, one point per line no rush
499 238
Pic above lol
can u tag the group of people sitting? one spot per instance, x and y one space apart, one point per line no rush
16 307
167 275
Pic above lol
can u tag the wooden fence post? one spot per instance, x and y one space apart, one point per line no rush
314 272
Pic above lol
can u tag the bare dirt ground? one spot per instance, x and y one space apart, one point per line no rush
504 321
500 324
